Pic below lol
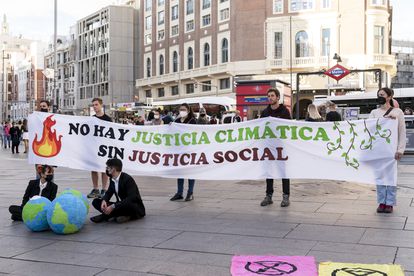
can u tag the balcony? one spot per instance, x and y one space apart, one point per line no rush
381 59
187 74
302 62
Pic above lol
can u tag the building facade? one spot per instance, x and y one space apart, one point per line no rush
404 54
107 43
195 48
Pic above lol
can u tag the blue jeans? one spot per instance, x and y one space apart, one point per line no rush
387 195
6 141
180 186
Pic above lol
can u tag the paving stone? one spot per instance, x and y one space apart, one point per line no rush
190 270
327 233
405 257
372 221
400 238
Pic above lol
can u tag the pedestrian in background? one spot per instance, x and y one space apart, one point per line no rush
186 116
7 135
387 195
15 135
313 114
25 132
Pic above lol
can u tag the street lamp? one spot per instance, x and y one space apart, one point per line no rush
337 58
5 95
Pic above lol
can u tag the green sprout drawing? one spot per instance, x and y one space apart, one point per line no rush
366 144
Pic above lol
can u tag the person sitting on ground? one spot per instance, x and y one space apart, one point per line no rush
41 187
128 205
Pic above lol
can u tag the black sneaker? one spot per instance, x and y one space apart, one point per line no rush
94 194
102 193
177 197
285 202
189 197
99 218
122 219
266 201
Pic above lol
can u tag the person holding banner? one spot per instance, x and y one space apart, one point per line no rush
128 205
186 116
276 110
387 195
97 104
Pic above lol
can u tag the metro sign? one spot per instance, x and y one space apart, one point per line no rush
337 72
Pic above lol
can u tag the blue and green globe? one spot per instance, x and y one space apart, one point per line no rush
67 214
35 213
77 194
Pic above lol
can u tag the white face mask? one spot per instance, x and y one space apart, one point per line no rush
183 114
156 117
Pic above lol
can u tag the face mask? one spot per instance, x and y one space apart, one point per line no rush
203 115
44 110
49 178
183 114
381 100
156 117
108 173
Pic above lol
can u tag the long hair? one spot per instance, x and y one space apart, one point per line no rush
313 112
190 110
389 92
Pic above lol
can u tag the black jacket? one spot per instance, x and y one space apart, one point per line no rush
15 134
187 120
333 116
33 189
281 112
128 194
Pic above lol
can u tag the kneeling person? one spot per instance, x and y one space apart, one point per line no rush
128 203
39 187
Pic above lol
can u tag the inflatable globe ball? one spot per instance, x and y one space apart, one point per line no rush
77 194
35 213
67 214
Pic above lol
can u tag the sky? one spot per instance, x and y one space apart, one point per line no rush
34 18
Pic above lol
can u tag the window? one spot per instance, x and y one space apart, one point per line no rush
148 39
175 61
206 86
222 1
161 69
224 83
190 26
148 93
378 39
190 7
206 54
189 88
174 30
161 92
174 90
277 6
190 58
326 41
224 50
148 22
161 2
278 45
206 20
298 5
379 2
301 44
224 14
326 4
161 18
148 5
161 35
148 67
206 4
174 13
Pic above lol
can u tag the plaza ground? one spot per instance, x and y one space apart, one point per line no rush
330 220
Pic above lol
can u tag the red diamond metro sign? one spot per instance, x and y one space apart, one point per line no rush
337 72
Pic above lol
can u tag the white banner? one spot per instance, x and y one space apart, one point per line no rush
358 151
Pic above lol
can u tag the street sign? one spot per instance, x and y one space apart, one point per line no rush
337 72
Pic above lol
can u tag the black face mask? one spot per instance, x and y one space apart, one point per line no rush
108 174
44 110
49 178
381 100
203 115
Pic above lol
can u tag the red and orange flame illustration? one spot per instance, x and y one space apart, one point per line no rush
49 145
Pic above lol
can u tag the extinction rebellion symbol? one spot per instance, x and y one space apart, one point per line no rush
270 268
357 272
337 72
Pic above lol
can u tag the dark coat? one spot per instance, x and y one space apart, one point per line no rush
128 194
281 112
33 189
